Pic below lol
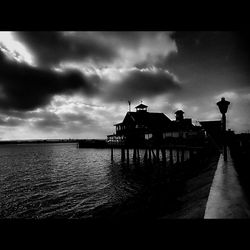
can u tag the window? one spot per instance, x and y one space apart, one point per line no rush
139 126
167 134
148 136
175 134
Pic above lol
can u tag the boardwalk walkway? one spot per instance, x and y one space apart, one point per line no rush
196 187
226 198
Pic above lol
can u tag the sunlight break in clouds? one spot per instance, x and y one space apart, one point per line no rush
15 49
228 95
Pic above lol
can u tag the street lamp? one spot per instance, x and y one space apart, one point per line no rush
223 106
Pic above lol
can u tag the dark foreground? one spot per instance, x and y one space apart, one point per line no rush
240 152
179 192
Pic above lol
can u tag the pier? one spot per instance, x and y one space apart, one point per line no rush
152 136
227 199
199 156
150 153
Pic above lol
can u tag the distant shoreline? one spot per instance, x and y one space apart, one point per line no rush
87 142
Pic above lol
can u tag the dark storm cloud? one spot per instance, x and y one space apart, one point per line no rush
210 51
138 84
97 48
51 48
209 63
25 88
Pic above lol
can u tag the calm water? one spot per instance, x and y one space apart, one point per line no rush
61 181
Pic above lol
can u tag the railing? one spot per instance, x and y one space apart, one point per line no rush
154 142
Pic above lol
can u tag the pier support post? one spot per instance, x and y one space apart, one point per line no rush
178 156
146 155
163 153
128 156
157 154
191 154
134 155
138 155
171 157
149 155
154 156
182 155
112 154
123 154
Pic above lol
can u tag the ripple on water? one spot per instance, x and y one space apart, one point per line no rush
59 180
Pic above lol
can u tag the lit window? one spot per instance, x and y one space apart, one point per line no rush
148 136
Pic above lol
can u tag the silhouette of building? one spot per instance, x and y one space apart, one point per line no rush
213 129
181 127
142 126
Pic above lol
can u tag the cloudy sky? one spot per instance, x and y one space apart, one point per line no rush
77 84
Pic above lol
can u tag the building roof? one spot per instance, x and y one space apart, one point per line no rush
185 124
213 128
210 124
120 123
141 106
151 120
179 111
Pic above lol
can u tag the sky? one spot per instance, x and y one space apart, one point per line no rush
77 84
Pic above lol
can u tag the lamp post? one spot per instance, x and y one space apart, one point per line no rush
223 106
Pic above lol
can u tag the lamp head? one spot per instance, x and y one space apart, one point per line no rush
223 105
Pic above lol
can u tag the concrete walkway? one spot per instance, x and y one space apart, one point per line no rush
191 202
226 198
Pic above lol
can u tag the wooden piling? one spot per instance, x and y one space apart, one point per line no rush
157 154
191 154
146 155
154 156
149 155
182 154
134 155
128 156
112 154
123 154
138 155
163 154
171 160
177 155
